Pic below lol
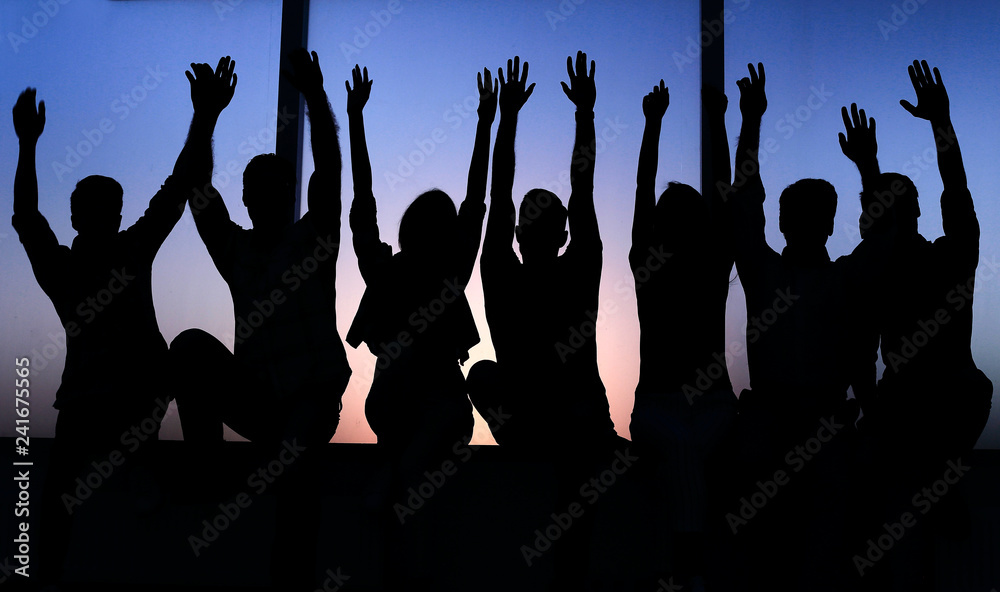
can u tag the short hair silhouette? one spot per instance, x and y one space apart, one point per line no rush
680 216
805 211
96 205
891 199
428 225
541 220
269 189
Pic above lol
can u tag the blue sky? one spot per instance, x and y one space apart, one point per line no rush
424 57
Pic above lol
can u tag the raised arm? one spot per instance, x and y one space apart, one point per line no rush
654 105
958 215
364 215
213 92
859 144
473 207
933 105
715 103
475 193
583 92
40 243
210 94
29 122
325 183
753 104
500 224
747 199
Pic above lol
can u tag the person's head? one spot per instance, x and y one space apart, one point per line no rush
806 210
428 226
541 229
889 204
269 191
96 206
681 217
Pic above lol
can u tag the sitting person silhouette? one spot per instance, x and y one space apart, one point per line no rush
681 259
927 281
100 287
283 384
803 353
922 314
547 382
417 404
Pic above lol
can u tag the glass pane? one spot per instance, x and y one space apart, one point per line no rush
118 104
421 124
820 56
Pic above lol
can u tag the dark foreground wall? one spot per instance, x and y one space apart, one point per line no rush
134 531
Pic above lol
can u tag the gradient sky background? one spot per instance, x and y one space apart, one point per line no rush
424 60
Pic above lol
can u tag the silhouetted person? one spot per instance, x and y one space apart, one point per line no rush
681 260
414 316
932 402
100 287
803 355
542 314
283 384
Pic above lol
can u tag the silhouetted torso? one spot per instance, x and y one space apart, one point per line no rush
926 322
416 319
800 351
542 320
102 292
284 298
681 299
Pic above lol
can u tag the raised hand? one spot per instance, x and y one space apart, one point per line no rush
488 89
357 97
28 121
306 75
753 99
932 98
655 104
859 143
513 94
581 89
212 91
